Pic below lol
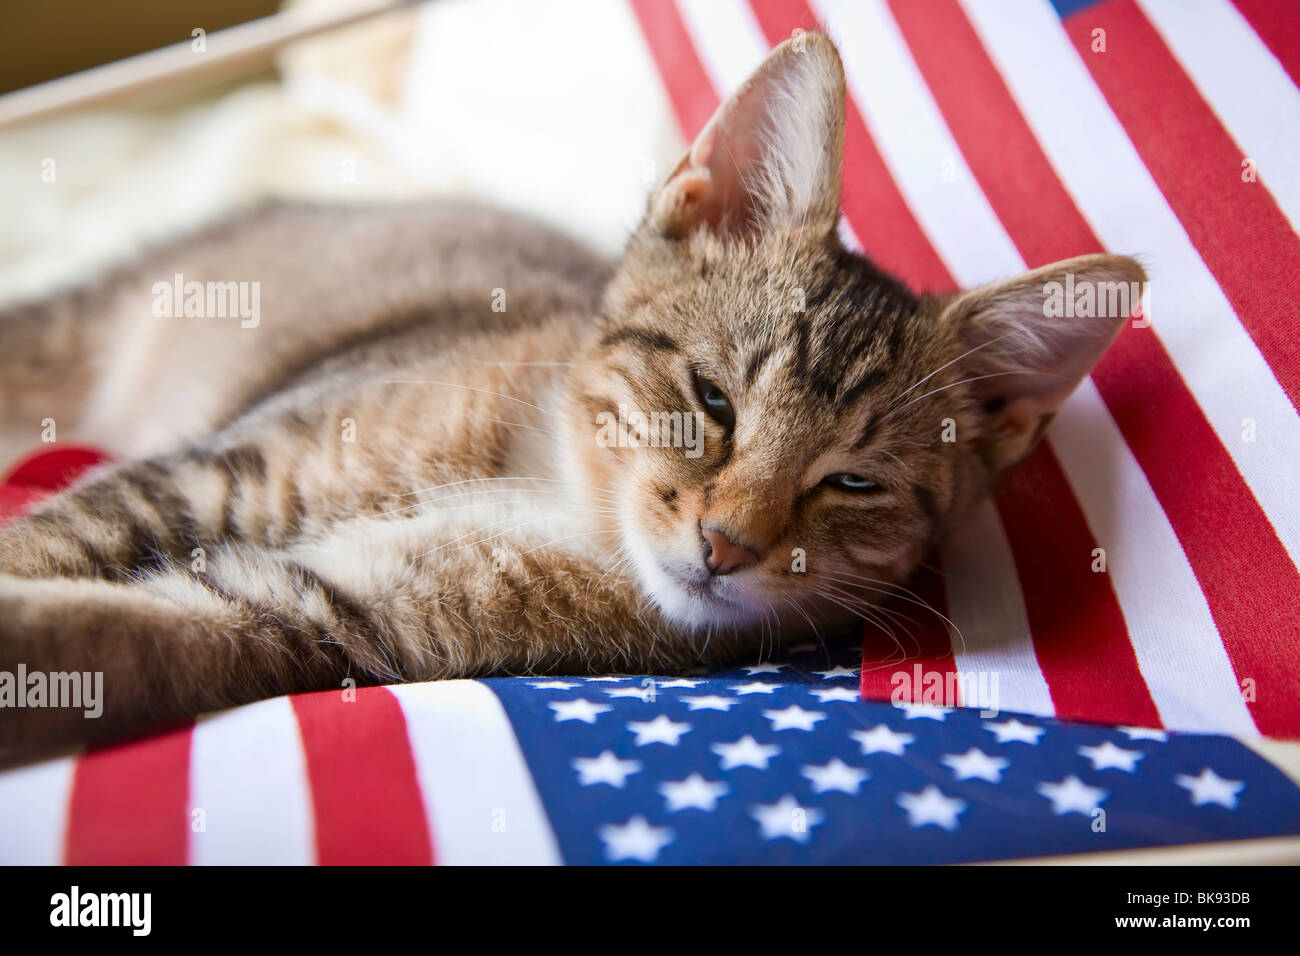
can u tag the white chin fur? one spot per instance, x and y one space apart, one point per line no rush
677 604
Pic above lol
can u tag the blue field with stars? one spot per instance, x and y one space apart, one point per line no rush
782 762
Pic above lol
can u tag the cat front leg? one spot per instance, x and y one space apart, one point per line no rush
128 517
91 660
375 602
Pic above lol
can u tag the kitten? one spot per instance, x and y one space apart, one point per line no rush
457 443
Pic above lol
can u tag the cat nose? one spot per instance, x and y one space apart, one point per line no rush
722 555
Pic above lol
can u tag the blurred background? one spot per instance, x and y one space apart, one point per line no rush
124 124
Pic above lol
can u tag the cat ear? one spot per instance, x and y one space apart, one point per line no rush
1031 340
771 154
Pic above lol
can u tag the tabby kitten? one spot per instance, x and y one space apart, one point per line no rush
387 479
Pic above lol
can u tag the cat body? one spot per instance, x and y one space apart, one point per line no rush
400 467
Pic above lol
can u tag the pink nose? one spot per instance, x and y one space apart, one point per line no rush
723 555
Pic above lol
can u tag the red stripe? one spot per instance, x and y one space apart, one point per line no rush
1278 25
1249 581
915 637
1236 226
689 88
129 803
1227 538
1080 637
365 792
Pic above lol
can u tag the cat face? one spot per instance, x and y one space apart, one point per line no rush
786 429
815 479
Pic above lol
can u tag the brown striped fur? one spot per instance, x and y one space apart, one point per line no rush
245 547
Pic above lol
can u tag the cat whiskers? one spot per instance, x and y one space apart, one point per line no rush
964 381
968 352
812 624
566 537
489 527
867 612
878 609
899 592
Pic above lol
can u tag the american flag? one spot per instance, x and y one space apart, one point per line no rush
985 137
777 762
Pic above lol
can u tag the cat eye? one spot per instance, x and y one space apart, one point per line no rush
715 401
847 482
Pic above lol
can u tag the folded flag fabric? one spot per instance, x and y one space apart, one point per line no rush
779 762
1141 567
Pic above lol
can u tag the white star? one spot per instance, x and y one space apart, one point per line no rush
606 768
580 709
880 739
838 671
930 806
975 764
1013 731
745 752
634 840
787 819
693 793
793 717
644 694
829 694
924 711
1110 757
1072 795
661 730
711 702
753 669
1145 733
1209 787
836 775
553 685
608 679
680 682
755 687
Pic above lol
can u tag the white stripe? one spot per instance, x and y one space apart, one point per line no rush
1243 83
248 777
479 796
985 602
1174 637
729 40
34 812
878 54
1114 191
908 129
